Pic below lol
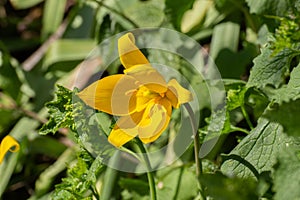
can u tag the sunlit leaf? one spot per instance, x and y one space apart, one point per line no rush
258 151
67 50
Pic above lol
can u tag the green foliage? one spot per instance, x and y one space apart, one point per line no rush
152 15
286 179
19 4
271 7
258 151
177 183
285 115
140 187
287 92
271 69
175 10
51 22
220 187
9 80
287 34
61 112
81 179
256 134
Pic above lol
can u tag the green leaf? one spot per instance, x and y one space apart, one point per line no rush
284 114
8 113
175 9
177 183
83 24
221 187
225 36
271 69
288 92
46 178
145 14
62 51
270 7
198 14
53 15
224 51
9 80
219 123
61 112
47 145
23 4
258 151
286 176
81 178
139 186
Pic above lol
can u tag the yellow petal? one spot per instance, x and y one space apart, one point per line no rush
118 137
125 129
113 94
155 120
8 144
148 77
129 54
177 94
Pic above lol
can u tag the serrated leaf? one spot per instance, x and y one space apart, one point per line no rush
81 178
175 9
258 151
286 176
221 187
270 69
270 7
60 111
285 114
288 92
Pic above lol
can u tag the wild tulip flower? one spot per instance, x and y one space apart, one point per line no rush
8 144
140 97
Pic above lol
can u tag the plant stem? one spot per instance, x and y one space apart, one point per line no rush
240 129
247 117
149 169
196 148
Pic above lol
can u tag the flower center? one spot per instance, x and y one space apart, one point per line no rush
146 93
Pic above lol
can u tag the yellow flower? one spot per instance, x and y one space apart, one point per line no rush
140 96
8 144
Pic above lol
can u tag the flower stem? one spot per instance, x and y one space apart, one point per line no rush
149 169
196 149
247 117
234 128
